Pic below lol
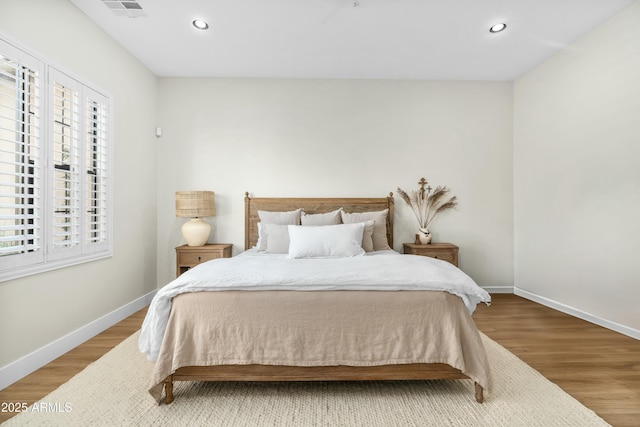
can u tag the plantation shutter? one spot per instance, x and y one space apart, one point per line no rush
55 167
20 158
64 165
96 170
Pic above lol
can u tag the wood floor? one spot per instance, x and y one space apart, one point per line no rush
598 367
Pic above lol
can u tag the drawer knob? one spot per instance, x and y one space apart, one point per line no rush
199 258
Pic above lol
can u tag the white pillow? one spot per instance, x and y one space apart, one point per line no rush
379 237
269 217
329 218
341 240
277 238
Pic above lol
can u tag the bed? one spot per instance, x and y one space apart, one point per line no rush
257 326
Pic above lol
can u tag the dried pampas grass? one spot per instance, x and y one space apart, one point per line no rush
427 204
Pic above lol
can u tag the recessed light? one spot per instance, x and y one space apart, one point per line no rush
200 24
497 28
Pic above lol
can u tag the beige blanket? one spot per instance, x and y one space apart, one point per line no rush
320 328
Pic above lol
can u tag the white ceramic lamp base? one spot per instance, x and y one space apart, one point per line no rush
196 232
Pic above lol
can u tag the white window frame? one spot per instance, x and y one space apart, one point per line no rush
36 256
93 130
97 139
70 133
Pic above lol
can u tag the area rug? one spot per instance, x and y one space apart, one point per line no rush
113 392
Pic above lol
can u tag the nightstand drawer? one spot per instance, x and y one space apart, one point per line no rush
190 256
193 259
444 251
445 256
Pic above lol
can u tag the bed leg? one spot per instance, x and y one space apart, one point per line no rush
168 389
479 393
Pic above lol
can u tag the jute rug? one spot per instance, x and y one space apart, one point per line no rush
113 392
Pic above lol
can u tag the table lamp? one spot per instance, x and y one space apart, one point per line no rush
195 205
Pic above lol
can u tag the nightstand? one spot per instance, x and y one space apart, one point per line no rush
444 251
190 256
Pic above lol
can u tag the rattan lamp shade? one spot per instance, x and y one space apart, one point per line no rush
195 205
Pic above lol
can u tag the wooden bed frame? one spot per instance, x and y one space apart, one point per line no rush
417 371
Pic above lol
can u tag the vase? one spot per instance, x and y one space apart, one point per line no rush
424 236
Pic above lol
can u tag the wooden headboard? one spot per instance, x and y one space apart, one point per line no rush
310 205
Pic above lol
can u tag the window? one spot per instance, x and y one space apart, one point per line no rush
55 155
64 158
20 159
96 153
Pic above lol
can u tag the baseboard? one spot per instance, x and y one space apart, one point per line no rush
625 330
498 289
37 359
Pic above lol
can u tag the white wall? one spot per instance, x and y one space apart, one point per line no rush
37 310
349 138
577 174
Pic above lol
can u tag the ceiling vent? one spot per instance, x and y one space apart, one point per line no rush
127 9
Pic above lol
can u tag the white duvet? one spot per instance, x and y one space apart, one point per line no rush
253 271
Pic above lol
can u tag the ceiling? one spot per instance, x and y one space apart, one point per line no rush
363 39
